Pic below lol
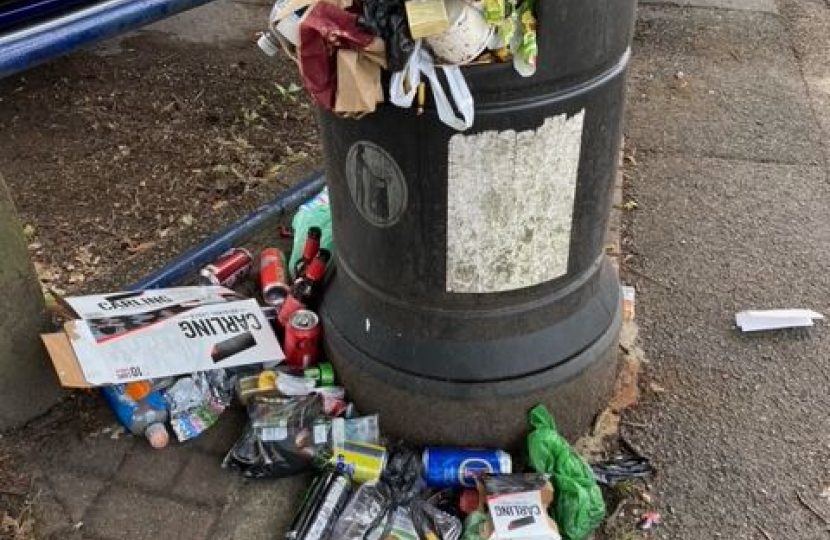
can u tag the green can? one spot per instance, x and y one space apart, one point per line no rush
322 373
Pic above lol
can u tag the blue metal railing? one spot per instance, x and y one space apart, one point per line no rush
31 45
198 256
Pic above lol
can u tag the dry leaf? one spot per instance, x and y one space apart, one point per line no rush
139 248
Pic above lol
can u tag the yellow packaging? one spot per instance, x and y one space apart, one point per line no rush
364 462
427 18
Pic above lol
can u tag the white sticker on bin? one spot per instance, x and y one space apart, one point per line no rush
510 205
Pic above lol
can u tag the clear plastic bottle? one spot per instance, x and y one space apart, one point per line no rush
141 409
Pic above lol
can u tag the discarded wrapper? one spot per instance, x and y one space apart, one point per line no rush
518 506
774 319
140 335
427 17
359 88
629 298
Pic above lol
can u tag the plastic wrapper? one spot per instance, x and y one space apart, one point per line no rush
430 522
477 526
279 440
271 383
517 506
196 402
579 507
403 474
323 30
524 46
321 507
365 513
287 436
314 213
387 20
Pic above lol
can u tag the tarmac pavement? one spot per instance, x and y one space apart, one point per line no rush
728 117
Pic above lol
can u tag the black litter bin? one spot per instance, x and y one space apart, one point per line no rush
471 278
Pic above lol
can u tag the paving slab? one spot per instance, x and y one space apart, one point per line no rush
123 512
203 480
719 83
75 492
808 22
99 457
152 469
742 424
766 6
262 509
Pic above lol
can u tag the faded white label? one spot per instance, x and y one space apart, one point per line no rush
273 433
511 197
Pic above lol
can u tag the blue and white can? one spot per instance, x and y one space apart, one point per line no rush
459 467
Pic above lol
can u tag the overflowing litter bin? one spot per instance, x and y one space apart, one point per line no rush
471 278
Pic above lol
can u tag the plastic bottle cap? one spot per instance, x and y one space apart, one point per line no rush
267 380
267 45
157 435
138 390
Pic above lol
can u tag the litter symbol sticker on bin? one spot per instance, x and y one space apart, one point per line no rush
376 183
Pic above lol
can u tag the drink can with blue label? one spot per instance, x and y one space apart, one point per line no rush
459 467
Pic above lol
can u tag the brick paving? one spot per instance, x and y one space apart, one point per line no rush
99 488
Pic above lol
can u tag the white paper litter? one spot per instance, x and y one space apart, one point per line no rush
773 319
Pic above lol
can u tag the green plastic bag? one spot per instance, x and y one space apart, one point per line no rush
474 526
315 212
578 506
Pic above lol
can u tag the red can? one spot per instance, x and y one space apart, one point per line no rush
273 277
291 306
228 269
302 340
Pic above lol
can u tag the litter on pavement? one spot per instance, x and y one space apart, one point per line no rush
774 319
170 362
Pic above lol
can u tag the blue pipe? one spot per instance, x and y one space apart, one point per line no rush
189 261
32 45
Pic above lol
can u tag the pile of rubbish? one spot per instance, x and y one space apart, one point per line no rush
367 490
343 48
171 361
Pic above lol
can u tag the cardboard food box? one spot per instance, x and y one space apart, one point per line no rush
132 336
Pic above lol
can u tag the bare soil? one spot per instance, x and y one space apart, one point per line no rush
122 156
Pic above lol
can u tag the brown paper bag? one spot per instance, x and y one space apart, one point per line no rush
359 88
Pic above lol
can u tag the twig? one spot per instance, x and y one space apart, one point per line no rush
811 508
648 277
634 424
763 532
13 492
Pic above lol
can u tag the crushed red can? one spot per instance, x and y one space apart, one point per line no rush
302 340
289 307
228 269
